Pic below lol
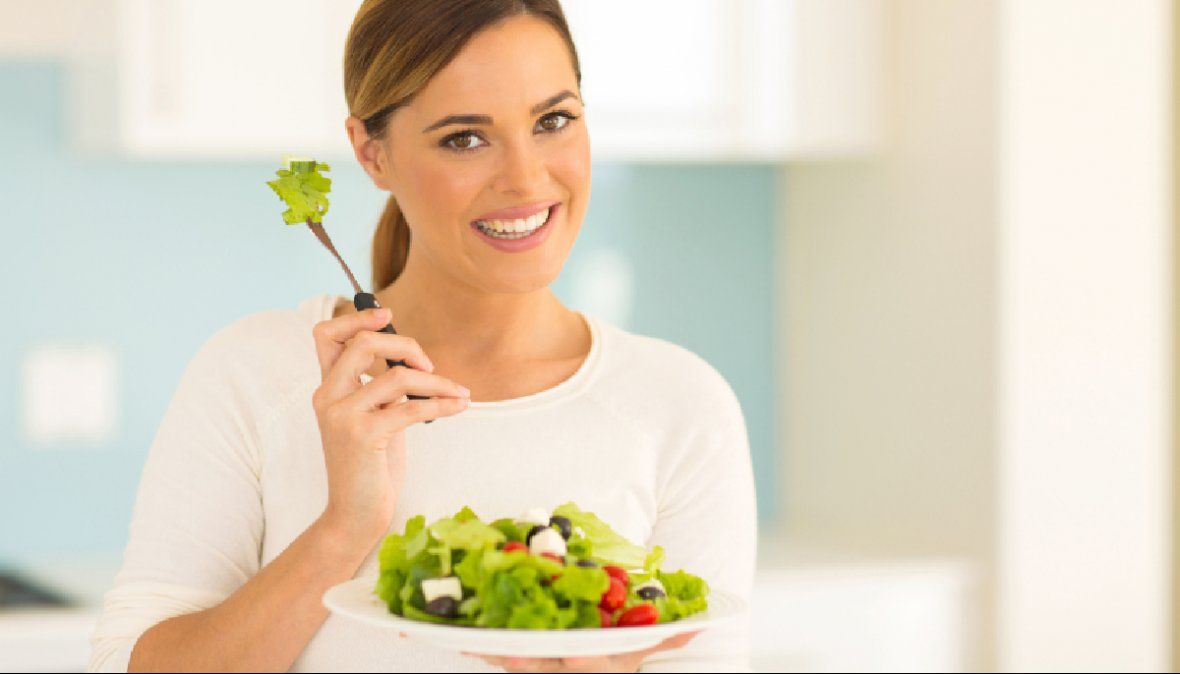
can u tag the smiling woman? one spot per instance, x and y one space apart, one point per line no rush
290 451
451 137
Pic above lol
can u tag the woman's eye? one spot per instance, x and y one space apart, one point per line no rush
465 141
454 142
556 121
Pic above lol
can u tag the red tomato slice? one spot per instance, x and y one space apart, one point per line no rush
617 572
605 619
512 546
614 596
642 614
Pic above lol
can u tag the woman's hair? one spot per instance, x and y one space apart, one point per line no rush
394 47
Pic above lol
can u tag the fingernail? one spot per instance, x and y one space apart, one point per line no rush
466 393
382 314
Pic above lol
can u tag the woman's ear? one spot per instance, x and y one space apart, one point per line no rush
368 151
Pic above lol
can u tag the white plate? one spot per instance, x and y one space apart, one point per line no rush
355 599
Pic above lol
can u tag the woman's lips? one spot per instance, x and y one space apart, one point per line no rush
517 212
522 244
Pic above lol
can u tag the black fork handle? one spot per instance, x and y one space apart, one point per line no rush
363 301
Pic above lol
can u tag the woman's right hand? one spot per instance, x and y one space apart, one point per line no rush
362 426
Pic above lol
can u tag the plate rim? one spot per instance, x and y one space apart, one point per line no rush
541 643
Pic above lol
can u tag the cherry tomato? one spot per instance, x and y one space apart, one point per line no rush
617 572
641 614
614 596
604 617
513 546
557 558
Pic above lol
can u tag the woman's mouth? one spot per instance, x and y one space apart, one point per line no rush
513 236
514 229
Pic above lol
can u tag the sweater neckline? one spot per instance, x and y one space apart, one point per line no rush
324 305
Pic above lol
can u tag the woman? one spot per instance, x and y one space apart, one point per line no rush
469 113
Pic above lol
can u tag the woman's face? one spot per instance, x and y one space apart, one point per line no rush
532 149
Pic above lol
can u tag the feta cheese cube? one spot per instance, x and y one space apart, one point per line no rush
535 516
547 540
433 588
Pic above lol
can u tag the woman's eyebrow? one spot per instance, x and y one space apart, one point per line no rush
487 119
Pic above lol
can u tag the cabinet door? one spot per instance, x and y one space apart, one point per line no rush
232 78
764 80
656 76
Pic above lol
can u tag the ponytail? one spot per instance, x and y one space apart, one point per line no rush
391 246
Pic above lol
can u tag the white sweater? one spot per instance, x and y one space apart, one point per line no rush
646 434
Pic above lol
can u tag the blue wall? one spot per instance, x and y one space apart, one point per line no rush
150 258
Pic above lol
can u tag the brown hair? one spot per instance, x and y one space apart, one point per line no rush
394 47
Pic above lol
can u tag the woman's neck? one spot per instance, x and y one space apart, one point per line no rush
462 324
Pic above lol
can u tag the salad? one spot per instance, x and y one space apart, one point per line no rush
303 189
565 569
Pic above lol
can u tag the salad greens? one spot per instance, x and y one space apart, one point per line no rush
303 189
517 574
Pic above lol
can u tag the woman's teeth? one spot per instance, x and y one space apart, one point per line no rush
514 229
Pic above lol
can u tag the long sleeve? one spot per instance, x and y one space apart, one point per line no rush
197 524
707 523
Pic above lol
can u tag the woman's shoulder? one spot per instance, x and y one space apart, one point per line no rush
645 365
265 350
261 336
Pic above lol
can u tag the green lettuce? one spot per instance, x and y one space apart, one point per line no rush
304 190
606 546
684 595
519 589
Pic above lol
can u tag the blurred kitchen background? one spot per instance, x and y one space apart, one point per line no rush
930 243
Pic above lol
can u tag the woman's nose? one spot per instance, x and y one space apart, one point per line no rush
523 170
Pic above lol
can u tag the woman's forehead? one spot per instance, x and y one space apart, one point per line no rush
507 68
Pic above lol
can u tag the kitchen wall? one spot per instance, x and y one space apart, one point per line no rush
976 354
145 260
889 381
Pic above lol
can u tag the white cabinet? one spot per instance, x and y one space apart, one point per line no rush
232 78
729 79
662 79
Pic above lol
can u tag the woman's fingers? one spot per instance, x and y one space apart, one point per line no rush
668 644
359 353
414 411
333 334
623 662
600 663
390 386
367 345
673 642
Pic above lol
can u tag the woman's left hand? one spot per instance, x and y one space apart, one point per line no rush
623 662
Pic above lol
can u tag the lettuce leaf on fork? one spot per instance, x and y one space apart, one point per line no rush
305 191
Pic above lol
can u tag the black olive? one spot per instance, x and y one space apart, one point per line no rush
563 525
443 607
587 563
528 540
650 592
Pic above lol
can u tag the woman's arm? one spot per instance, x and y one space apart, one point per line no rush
266 623
708 523
198 525
192 592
